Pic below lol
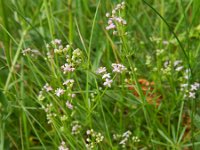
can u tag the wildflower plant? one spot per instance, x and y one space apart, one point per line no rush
99 75
114 18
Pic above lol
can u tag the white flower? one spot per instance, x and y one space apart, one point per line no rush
118 68
123 142
195 86
192 95
123 3
186 77
166 63
187 70
108 82
88 132
73 95
88 140
69 105
63 146
101 70
179 68
107 75
69 81
165 42
126 134
113 12
177 62
47 87
59 92
107 14
67 68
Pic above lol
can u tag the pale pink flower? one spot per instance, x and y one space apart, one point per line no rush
67 68
118 68
59 92
47 87
110 26
56 42
69 105
110 21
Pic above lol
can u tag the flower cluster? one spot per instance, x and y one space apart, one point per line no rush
46 88
63 118
67 67
57 46
76 128
49 111
177 65
59 92
148 60
31 52
76 56
92 96
72 61
135 139
124 138
101 70
118 68
56 42
187 74
166 70
93 138
159 52
69 83
105 76
191 93
115 19
63 146
168 66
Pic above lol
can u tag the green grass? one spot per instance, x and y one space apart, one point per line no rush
160 31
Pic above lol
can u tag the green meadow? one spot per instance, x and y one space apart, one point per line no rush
99 75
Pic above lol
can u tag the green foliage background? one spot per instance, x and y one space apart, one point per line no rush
33 23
